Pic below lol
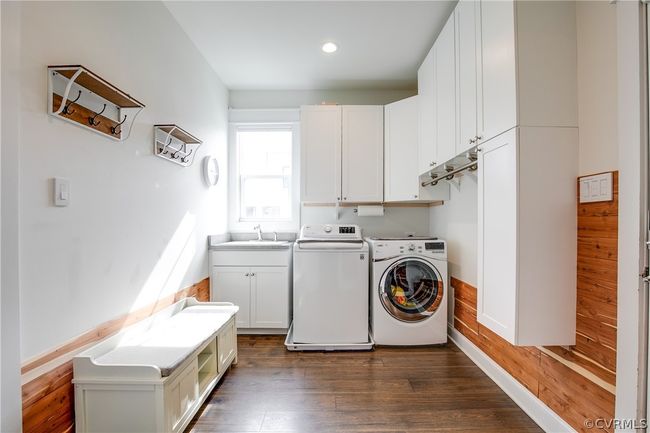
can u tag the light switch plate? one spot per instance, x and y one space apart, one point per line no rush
61 191
595 188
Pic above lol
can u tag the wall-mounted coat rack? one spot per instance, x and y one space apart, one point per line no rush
449 172
174 144
79 96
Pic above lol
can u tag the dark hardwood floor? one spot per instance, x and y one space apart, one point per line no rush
434 389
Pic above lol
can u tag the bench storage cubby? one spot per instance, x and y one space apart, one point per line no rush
154 376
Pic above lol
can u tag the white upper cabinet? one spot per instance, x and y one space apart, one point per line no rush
342 153
497 65
426 114
445 91
468 75
401 150
528 69
362 152
320 137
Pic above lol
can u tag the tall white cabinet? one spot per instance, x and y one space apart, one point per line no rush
401 144
427 157
527 235
528 70
469 112
445 91
342 153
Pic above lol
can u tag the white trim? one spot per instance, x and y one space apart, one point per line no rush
548 420
264 119
632 301
280 115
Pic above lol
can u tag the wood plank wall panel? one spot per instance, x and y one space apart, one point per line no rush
568 393
559 383
48 400
597 280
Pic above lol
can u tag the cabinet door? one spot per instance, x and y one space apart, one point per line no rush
362 153
233 284
270 297
498 67
226 347
468 58
401 150
445 91
320 139
427 114
497 235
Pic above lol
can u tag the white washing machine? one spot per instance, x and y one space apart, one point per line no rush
330 289
408 292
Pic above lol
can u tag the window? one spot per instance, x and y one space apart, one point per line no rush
264 167
264 170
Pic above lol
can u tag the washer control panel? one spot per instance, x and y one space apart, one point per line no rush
331 231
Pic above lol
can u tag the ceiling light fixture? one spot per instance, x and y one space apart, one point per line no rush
329 47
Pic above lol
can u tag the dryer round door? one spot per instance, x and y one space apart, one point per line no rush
411 289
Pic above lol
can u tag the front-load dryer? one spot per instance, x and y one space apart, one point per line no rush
408 292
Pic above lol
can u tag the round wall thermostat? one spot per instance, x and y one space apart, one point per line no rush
210 170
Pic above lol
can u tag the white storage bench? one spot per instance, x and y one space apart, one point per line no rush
154 376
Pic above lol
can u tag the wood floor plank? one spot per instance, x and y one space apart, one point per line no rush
414 390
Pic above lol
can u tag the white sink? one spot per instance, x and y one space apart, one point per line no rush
252 244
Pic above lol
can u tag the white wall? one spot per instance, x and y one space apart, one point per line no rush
455 221
597 86
396 221
10 392
136 227
296 98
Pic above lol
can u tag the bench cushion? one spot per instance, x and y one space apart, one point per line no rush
171 342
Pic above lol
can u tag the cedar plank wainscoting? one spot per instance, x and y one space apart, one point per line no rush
48 393
577 383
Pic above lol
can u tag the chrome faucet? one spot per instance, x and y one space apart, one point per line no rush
258 229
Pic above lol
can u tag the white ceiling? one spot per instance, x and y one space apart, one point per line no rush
274 45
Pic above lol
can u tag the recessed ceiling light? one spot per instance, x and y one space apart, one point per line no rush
329 47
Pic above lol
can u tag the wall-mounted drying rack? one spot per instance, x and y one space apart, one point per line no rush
173 143
449 172
79 96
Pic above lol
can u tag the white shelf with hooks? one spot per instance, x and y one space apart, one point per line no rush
173 143
79 96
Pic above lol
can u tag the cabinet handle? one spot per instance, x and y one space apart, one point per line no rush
472 140
247 275
345 198
415 196
253 274
479 137
432 163
338 198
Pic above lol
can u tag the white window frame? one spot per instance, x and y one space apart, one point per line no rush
247 120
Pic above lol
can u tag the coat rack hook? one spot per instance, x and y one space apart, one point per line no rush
184 159
164 150
66 109
114 130
91 120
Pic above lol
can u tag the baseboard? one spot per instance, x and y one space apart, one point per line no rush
548 420
262 331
